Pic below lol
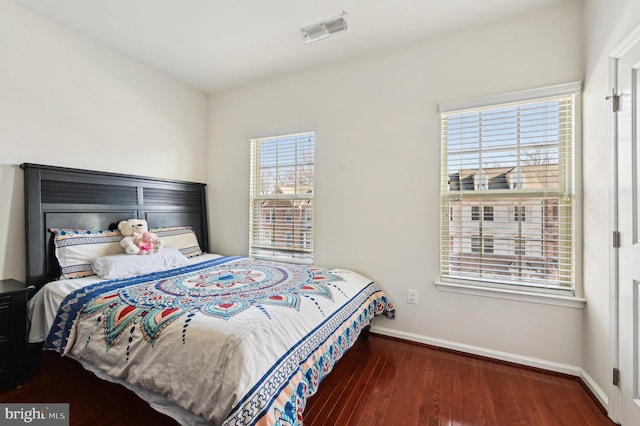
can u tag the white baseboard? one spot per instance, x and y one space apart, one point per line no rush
502 356
595 389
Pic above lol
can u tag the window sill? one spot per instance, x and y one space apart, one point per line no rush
522 296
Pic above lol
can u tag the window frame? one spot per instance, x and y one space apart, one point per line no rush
292 236
569 218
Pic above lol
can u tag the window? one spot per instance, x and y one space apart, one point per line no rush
267 237
282 197
481 244
487 246
268 214
510 163
488 212
306 239
288 240
307 215
476 244
288 216
475 212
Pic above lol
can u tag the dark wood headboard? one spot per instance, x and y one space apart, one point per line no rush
58 197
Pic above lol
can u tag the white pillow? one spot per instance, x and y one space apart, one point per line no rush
126 265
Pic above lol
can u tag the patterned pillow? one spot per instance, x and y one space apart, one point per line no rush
76 248
181 237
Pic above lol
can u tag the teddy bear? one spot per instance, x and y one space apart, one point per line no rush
137 238
148 242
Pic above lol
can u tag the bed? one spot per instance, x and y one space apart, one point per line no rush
204 338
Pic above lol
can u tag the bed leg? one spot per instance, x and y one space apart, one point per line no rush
34 350
365 332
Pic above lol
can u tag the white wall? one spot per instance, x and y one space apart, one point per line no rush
67 101
378 171
607 22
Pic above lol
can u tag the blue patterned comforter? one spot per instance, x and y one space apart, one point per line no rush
235 340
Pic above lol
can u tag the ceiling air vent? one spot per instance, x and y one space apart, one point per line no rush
324 29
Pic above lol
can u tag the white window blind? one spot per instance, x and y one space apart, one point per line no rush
282 200
507 193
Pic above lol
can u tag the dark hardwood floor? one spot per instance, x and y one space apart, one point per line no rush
384 381
380 381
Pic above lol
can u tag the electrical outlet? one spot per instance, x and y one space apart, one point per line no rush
412 296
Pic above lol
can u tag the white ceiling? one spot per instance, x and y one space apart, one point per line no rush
213 45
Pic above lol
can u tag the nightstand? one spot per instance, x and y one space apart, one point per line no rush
13 333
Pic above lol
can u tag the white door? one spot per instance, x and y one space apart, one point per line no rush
629 226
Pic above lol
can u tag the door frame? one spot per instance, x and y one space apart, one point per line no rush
613 397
